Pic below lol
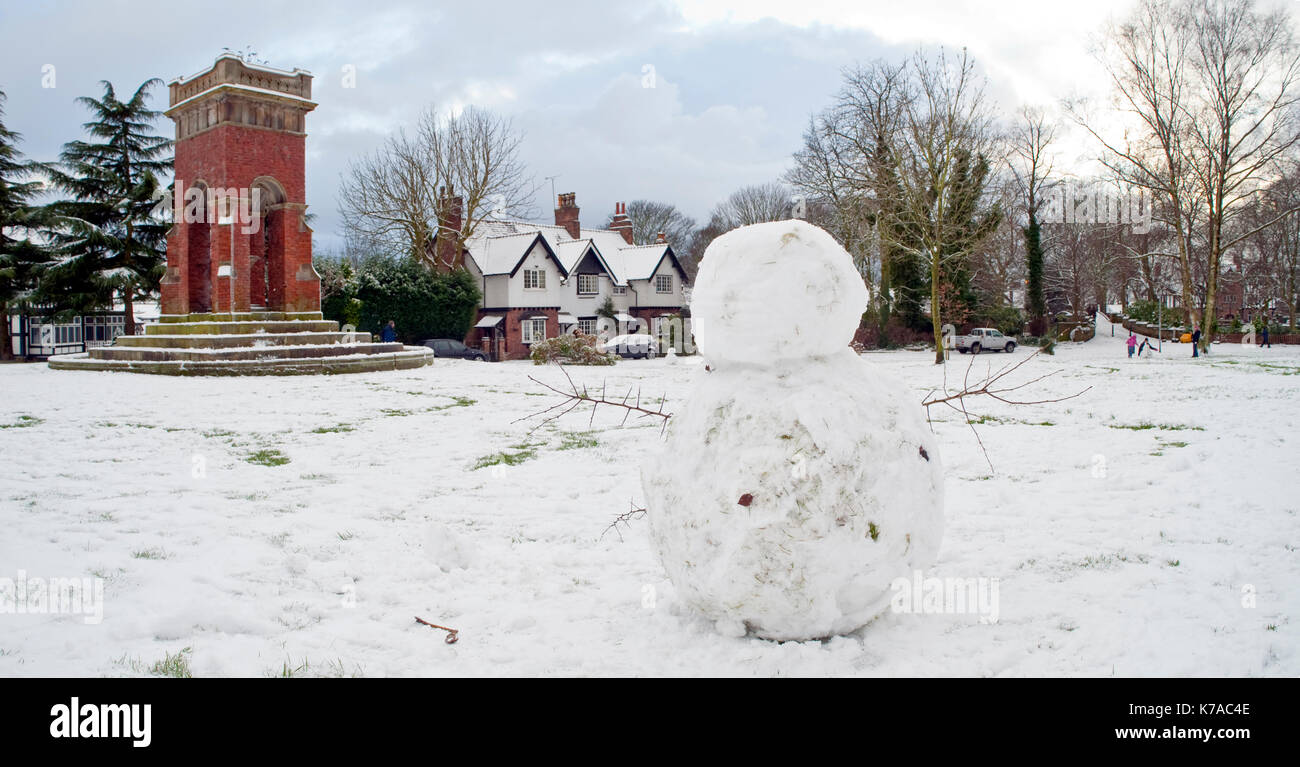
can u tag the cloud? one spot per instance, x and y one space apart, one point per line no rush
733 87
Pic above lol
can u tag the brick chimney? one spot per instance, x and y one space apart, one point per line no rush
566 215
661 238
621 223
451 212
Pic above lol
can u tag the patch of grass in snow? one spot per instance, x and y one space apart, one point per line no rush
268 457
996 419
1145 425
176 666
524 451
577 440
873 531
1287 370
395 412
154 553
217 433
456 402
1106 561
23 422
343 427
1173 562
289 672
133 664
335 668
346 535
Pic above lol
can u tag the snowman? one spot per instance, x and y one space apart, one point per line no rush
798 480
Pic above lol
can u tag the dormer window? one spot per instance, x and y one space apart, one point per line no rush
534 279
588 284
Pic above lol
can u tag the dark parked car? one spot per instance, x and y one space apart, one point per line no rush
446 347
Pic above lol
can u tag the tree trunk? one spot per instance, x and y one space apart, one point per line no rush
7 350
935 320
129 320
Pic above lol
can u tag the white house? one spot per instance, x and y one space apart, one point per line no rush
539 280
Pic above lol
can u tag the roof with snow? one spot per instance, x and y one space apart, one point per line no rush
499 247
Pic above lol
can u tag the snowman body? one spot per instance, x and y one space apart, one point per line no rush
797 482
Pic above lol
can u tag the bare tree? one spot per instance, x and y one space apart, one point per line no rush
946 127
1146 58
476 154
1031 165
845 173
754 204
1209 88
394 196
1277 247
650 219
1247 67
389 198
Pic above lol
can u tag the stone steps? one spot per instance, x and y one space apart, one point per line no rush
410 357
241 328
168 319
145 354
197 341
248 343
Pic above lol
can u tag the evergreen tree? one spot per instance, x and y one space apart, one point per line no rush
107 239
972 225
1035 301
21 259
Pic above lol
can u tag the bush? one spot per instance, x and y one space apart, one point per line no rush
1142 311
571 349
1005 318
424 303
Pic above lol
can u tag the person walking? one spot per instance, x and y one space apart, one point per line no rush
389 334
1132 342
1263 338
1196 341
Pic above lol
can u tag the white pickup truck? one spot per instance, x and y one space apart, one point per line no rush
984 339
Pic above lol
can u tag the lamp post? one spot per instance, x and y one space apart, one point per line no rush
1160 321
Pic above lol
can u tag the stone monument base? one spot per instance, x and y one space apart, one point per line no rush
248 343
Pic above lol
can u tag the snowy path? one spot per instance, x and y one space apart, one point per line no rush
1119 550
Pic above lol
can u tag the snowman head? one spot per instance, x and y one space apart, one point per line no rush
776 291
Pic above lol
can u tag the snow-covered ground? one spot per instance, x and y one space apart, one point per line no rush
1118 550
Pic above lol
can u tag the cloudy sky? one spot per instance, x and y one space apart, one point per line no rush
732 89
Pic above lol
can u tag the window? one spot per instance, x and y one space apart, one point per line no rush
588 284
534 279
587 325
533 330
620 290
664 283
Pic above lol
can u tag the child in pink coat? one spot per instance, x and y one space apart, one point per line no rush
1132 342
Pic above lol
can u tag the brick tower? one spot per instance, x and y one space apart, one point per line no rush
240 145
240 296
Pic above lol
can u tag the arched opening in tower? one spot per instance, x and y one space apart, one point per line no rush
265 246
198 250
